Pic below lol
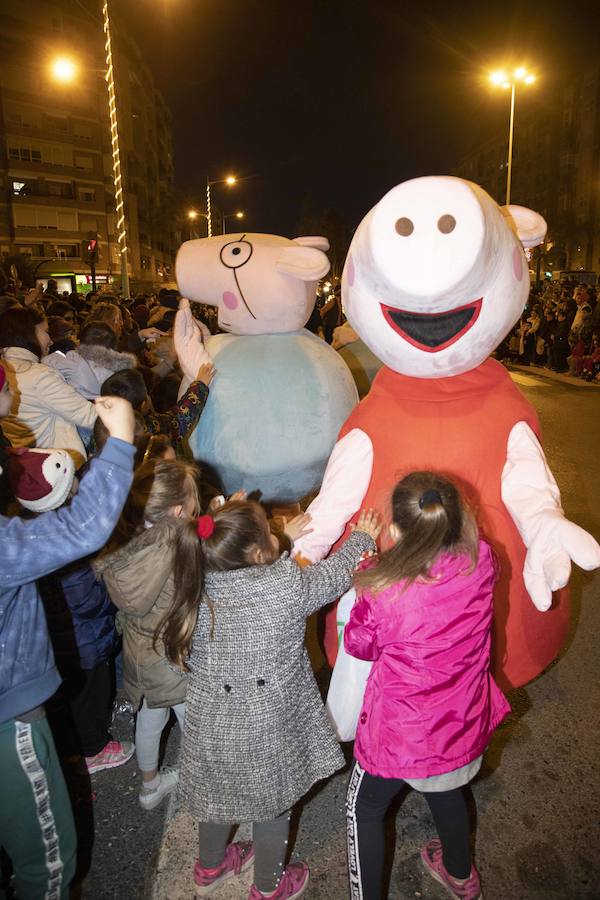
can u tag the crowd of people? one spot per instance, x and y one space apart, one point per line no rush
121 560
559 330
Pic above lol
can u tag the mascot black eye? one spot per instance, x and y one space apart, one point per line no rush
236 253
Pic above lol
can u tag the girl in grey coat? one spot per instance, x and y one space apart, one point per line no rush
257 736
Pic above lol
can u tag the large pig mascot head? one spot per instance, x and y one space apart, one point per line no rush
436 275
261 283
280 394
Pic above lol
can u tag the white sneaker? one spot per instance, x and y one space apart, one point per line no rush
151 797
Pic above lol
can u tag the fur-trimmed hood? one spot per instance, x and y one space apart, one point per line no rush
86 368
103 358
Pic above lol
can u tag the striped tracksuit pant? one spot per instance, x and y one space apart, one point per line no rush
36 822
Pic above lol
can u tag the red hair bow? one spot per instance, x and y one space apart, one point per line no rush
205 526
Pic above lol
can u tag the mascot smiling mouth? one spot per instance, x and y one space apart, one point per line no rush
432 331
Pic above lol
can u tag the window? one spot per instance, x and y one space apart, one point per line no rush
67 220
4 250
22 188
25 216
88 223
47 218
88 194
67 251
83 130
145 262
25 154
84 162
56 123
30 249
59 189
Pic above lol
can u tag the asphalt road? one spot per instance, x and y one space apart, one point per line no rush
538 809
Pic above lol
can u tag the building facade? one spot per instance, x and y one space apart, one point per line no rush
56 177
556 169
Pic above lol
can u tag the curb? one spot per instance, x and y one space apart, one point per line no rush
541 372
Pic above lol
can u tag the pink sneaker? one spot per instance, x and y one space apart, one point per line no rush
294 882
431 857
238 857
113 754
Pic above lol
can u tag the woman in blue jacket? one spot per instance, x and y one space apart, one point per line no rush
36 822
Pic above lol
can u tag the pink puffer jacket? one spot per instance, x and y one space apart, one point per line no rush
430 704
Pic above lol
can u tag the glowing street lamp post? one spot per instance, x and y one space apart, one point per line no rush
236 215
64 69
230 181
116 156
506 81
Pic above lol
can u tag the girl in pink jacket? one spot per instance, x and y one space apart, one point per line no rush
423 616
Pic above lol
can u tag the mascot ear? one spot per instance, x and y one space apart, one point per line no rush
305 263
320 243
529 226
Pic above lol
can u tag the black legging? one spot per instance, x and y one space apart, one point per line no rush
368 800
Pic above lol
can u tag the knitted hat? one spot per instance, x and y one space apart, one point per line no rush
40 479
170 300
2 377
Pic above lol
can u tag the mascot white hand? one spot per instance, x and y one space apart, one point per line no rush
188 339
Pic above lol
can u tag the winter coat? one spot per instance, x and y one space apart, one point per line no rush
139 579
80 617
86 368
257 736
45 411
430 704
31 548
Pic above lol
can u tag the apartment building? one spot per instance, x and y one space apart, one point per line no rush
556 169
56 178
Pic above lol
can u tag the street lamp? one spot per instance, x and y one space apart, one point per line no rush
501 79
230 180
64 70
236 215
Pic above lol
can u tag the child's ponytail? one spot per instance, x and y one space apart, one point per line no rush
430 518
176 629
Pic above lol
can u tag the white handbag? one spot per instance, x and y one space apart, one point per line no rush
348 680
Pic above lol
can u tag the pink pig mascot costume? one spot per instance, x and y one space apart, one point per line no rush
435 277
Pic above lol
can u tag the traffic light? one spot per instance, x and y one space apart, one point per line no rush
89 250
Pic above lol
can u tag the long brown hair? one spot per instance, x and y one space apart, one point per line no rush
432 517
240 538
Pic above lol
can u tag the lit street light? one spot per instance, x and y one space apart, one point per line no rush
236 215
230 180
65 70
502 79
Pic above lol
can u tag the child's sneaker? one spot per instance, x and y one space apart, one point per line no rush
151 797
238 857
113 754
431 857
294 882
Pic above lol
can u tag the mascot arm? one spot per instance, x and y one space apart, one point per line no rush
532 498
344 486
188 339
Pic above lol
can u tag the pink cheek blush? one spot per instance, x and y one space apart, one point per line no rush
230 300
518 264
350 272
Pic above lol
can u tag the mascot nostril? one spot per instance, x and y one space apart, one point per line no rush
446 224
404 227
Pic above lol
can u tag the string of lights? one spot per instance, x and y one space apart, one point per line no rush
116 157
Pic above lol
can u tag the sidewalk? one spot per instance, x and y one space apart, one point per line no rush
542 372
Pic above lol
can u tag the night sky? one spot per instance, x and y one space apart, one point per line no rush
324 104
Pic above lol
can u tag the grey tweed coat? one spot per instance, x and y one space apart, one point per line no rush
257 736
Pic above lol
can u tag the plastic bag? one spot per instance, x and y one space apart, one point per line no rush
348 681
